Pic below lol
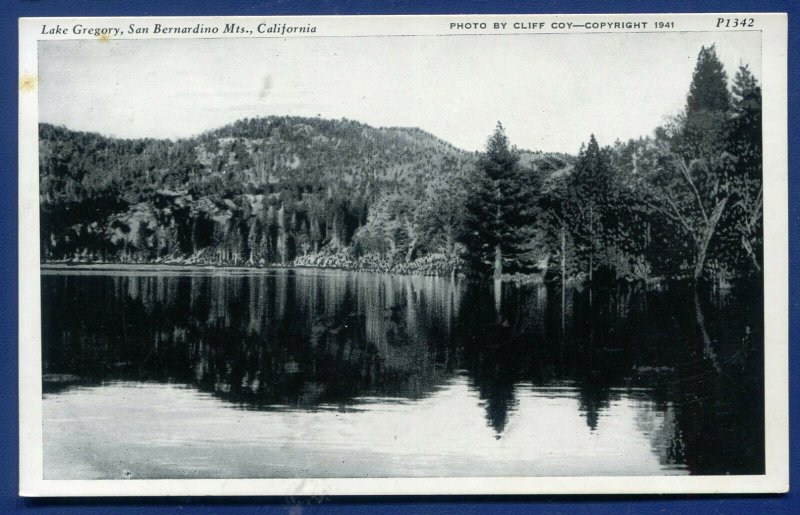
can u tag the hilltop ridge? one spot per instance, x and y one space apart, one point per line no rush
257 191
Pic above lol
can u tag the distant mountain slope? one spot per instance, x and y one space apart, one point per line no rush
261 190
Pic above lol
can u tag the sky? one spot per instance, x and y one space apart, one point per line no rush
549 91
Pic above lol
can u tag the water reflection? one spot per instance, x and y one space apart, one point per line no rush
685 369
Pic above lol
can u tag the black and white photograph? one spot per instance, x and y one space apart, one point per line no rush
478 254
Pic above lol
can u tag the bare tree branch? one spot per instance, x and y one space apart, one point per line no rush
676 215
759 207
688 176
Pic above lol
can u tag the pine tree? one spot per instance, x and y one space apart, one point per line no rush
693 181
708 92
591 204
746 92
593 171
744 224
501 210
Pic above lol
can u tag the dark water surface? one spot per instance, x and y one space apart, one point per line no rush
305 373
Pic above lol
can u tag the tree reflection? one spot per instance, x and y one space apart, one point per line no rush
311 339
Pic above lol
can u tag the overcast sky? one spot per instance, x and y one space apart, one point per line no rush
549 91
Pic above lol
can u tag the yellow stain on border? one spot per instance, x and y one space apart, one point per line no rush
104 38
28 82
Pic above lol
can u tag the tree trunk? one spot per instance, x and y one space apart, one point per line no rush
498 299
708 346
563 277
708 233
411 248
591 274
591 252
450 242
412 234
751 253
591 245
498 262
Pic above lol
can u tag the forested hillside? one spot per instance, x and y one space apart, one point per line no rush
258 192
684 202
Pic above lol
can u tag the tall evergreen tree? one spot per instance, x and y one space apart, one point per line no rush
501 210
743 224
746 92
708 92
692 183
592 205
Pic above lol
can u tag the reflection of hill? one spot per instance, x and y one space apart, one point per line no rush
291 337
306 338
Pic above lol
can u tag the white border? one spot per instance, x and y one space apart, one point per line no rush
776 479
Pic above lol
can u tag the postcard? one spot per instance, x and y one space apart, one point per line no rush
370 255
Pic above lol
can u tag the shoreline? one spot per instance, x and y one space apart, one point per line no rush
50 265
177 268
183 267
55 267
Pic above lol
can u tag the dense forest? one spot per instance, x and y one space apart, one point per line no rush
684 202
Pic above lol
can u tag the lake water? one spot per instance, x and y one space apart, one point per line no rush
308 373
